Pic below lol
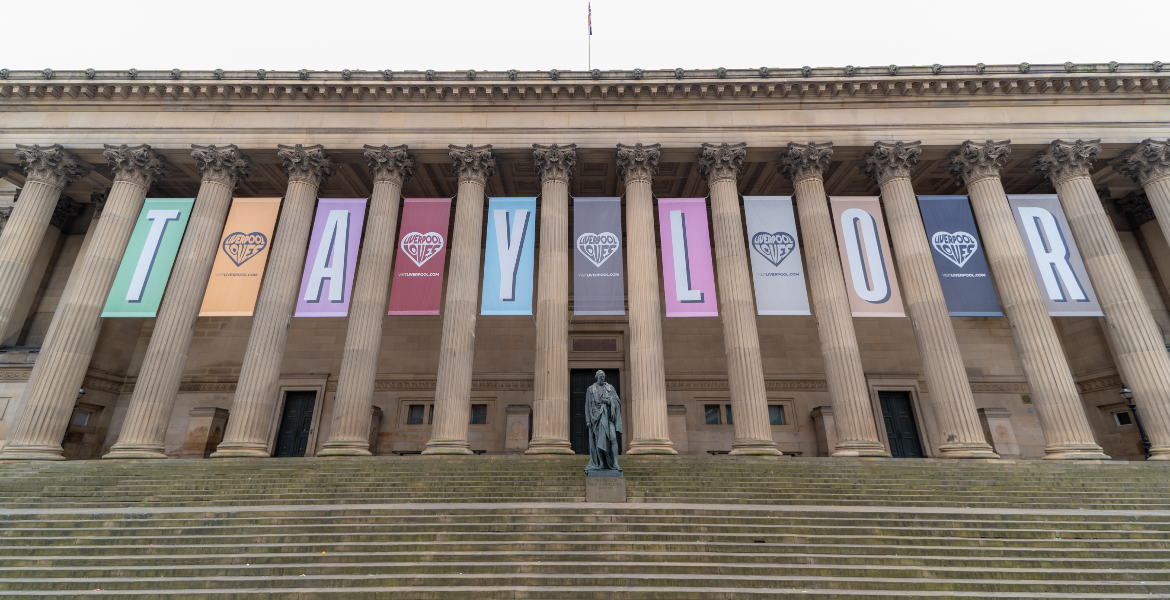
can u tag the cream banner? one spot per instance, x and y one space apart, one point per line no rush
865 256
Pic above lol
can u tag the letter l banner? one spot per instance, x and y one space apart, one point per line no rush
1056 262
686 258
508 260
332 258
146 265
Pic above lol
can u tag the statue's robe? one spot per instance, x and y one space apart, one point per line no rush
603 416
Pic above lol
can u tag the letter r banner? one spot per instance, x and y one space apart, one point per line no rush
146 265
1053 253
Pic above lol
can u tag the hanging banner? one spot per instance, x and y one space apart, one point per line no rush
1056 262
865 257
958 257
332 258
777 270
507 259
146 264
417 286
598 279
688 278
239 262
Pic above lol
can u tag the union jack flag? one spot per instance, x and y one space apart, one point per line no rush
590 18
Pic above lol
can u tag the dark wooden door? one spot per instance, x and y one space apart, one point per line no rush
295 424
579 381
900 428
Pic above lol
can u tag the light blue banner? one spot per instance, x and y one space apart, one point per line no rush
507 259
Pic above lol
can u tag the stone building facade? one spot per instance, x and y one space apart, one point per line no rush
79 152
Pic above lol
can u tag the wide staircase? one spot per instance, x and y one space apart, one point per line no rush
518 527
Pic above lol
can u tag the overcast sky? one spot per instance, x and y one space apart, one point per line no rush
532 34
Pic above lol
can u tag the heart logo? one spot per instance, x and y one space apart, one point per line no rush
598 247
421 247
240 246
774 246
957 247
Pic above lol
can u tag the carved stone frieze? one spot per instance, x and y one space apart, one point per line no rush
889 161
222 164
389 163
638 162
1100 382
64 213
1149 162
553 162
473 164
309 164
15 375
801 162
139 165
1137 207
1062 160
51 164
999 387
721 161
977 160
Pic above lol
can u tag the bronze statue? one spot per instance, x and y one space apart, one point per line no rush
603 416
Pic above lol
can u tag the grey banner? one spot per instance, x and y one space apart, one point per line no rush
777 270
1056 262
958 256
598 280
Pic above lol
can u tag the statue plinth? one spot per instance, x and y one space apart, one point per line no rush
605 485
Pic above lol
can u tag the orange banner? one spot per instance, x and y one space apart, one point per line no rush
240 258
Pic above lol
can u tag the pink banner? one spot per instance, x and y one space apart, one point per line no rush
332 258
686 258
422 253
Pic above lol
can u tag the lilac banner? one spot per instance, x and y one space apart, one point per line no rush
686 258
332 258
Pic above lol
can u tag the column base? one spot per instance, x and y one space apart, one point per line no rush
346 448
121 451
1159 453
853 449
651 446
447 447
549 446
754 448
1075 452
241 450
32 452
967 450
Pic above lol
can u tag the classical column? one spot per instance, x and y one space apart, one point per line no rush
719 164
258 387
950 391
1062 415
144 429
349 435
65 355
474 166
649 429
50 169
852 411
1137 341
550 406
1149 165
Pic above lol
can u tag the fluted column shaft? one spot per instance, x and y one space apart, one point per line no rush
550 410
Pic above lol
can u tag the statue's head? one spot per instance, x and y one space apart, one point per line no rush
600 376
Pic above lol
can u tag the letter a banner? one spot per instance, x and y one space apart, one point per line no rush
332 258
686 258
777 271
958 256
507 260
865 256
1056 262
240 258
598 282
146 264
422 253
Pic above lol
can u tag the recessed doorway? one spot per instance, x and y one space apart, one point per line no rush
296 423
579 382
898 414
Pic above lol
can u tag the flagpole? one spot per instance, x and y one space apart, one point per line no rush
590 60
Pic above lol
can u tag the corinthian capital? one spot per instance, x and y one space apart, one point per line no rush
721 161
807 161
309 164
978 160
555 163
1137 207
139 164
389 163
1063 160
638 161
51 164
4 169
1150 161
222 164
889 161
64 213
471 164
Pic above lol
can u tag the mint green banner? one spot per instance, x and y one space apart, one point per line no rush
146 265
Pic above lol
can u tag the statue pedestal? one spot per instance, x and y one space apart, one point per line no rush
605 486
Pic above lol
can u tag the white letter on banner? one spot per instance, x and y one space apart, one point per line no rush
1051 257
856 223
682 260
509 254
337 228
158 226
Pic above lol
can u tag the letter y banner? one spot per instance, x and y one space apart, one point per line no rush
508 260
146 265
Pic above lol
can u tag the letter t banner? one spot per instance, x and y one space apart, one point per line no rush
332 258
686 258
508 258
1053 253
146 265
